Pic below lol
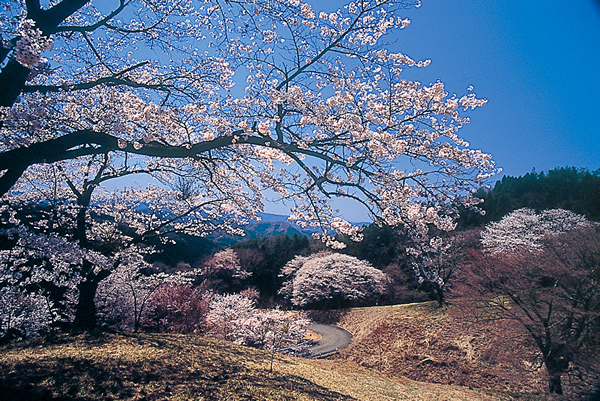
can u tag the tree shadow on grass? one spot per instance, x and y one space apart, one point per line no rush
215 374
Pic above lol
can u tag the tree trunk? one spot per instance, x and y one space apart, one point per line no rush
439 296
85 314
556 365
555 384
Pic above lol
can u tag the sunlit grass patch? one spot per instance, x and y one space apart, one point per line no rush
145 366
428 344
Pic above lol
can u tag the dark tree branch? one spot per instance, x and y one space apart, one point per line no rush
14 76
49 20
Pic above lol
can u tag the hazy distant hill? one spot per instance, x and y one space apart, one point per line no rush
270 225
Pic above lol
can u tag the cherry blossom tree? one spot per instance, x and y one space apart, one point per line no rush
38 267
223 272
275 330
234 318
541 270
93 92
123 296
330 279
153 82
227 314
436 262
524 229
24 314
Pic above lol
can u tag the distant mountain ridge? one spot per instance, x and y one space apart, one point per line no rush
280 219
270 225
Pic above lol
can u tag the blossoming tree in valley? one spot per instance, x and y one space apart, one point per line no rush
237 96
223 273
233 317
330 279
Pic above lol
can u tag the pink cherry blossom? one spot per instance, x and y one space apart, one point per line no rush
328 276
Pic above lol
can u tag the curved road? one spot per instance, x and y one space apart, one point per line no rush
333 338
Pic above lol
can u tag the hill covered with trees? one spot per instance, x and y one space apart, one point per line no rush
569 188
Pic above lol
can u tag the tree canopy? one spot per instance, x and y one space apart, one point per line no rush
157 83
330 280
569 188
219 102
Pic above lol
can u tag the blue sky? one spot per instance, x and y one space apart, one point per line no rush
538 64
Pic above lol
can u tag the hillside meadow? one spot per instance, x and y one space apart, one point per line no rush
447 346
136 366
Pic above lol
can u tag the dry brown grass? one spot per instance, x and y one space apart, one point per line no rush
125 366
146 367
311 335
422 343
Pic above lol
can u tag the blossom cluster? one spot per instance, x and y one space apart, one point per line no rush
31 44
226 260
234 318
326 277
337 129
23 314
34 264
524 229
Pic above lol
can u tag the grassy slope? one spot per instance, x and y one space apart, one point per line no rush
420 343
128 366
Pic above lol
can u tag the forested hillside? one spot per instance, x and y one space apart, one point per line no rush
570 188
